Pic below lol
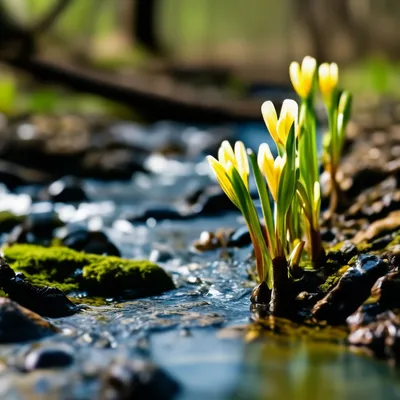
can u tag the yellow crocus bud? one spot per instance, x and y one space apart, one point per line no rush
302 78
242 162
288 117
271 119
279 129
223 173
328 77
237 157
225 153
270 168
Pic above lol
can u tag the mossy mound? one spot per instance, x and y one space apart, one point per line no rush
73 271
8 221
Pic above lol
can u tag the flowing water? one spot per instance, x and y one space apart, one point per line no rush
199 333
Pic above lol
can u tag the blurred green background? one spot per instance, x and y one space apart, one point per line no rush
251 41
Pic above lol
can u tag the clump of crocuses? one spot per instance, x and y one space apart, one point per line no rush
290 222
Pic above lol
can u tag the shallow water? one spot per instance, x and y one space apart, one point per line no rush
198 331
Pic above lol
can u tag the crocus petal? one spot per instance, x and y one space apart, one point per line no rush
324 77
281 130
308 67
242 162
270 118
222 177
334 74
289 113
228 154
295 77
265 162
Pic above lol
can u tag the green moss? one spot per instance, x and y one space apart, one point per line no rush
333 279
70 271
8 220
395 241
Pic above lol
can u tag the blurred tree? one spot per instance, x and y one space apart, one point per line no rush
144 23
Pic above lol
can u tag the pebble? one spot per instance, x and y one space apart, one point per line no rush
50 356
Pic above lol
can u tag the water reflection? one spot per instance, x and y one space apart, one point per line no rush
284 368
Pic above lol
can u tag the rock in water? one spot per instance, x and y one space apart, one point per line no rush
46 301
18 324
50 356
353 288
95 242
138 379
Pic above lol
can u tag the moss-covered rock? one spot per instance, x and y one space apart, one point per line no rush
8 220
93 274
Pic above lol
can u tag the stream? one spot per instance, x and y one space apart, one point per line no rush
200 333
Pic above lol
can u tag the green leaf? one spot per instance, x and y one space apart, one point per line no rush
304 200
287 185
263 257
344 113
265 203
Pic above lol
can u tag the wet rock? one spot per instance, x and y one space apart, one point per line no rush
94 274
381 336
360 177
111 163
365 314
380 243
18 324
37 228
157 213
351 291
138 379
240 238
261 294
386 290
95 242
213 201
46 301
161 254
390 223
49 356
65 190
211 241
8 221
328 234
306 299
342 256
14 175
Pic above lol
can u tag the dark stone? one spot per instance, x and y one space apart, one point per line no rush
158 213
370 175
138 379
18 324
306 299
328 234
351 291
261 294
111 163
386 290
240 238
380 333
95 242
365 315
13 175
213 201
342 256
381 242
44 300
36 229
50 356
65 190
9 221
